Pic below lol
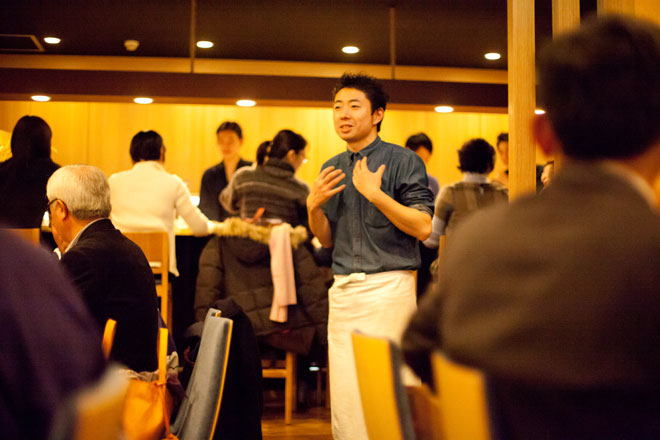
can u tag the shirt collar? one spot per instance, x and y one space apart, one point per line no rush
469 177
149 164
634 179
364 152
77 237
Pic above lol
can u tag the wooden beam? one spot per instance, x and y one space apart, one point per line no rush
615 7
565 15
522 97
250 67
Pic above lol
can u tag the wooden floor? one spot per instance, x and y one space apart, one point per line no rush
312 424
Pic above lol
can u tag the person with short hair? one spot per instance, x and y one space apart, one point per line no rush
24 175
503 176
374 218
111 272
147 198
272 184
555 297
458 200
421 144
230 140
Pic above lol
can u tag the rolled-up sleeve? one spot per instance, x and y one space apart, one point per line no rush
412 185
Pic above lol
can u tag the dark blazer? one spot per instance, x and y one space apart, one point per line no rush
557 299
214 180
116 282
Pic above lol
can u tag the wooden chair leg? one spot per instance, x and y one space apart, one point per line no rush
290 387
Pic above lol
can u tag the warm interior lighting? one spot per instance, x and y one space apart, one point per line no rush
143 100
444 109
205 44
52 40
539 111
245 103
41 98
492 56
350 49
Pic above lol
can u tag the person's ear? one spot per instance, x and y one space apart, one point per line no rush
545 136
377 116
290 156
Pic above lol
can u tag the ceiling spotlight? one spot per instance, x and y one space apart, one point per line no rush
245 103
539 111
205 44
492 56
444 109
41 98
143 100
131 45
350 49
52 40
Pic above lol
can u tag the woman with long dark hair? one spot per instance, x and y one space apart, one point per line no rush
23 177
271 184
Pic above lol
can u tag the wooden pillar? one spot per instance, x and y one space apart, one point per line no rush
565 15
522 97
615 7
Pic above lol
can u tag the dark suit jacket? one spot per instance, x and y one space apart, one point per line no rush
214 180
116 282
557 299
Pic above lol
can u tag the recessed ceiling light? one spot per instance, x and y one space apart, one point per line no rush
205 44
245 103
52 40
41 98
350 49
492 56
444 109
539 111
143 100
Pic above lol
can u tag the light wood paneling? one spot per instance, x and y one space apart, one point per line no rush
522 97
100 133
565 15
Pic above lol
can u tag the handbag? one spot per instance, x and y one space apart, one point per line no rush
148 404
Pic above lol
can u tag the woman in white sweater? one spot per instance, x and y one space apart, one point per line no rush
148 198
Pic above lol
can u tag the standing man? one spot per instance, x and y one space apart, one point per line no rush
556 297
421 144
374 219
216 178
503 176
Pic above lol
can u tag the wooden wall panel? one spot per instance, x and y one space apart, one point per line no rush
100 133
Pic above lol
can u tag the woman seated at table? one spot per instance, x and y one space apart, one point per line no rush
23 177
147 198
271 184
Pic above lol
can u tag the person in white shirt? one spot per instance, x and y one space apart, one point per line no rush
148 198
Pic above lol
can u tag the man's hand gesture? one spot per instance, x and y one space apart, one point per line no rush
324 187
366 182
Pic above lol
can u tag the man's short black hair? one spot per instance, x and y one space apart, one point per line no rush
231 126
502 137
146 145
600 87
419 140
476 156
367 85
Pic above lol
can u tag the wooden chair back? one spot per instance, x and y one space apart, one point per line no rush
155 246
108 337
284 370
384 401
462 396
426 413
30 234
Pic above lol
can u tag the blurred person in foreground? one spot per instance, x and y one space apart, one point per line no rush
109 270
50 344
556 297
372 202
230 140
23 177
147 198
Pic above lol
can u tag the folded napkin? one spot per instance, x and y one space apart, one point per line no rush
281 268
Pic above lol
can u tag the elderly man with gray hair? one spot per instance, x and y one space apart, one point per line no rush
110 271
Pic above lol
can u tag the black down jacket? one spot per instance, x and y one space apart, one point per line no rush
239 268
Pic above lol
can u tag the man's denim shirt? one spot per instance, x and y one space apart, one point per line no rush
365 240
